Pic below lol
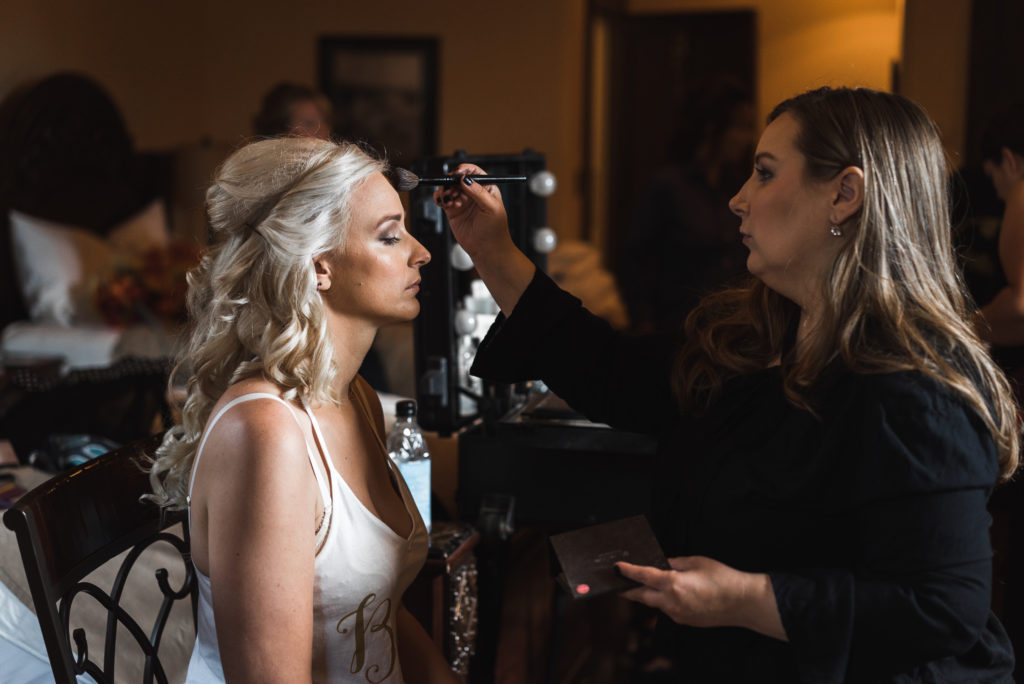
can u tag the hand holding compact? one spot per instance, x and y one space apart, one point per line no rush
702 592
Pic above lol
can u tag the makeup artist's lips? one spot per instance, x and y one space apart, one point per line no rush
415 287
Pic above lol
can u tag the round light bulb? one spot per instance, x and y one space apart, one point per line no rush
465 322
544 240
543 183
460 258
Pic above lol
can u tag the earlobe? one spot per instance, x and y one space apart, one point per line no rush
322 271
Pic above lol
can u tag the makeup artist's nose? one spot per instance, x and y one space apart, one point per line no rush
738 205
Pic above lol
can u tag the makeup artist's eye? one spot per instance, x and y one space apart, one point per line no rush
762 173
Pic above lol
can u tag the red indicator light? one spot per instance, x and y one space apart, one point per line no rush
582 588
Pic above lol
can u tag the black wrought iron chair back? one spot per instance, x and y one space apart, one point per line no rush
73 524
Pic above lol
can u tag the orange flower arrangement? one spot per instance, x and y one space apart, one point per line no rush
152 291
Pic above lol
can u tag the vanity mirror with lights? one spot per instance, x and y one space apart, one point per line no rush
456 308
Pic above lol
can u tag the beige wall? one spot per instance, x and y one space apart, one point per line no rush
511 73
804 44
936 59
148 55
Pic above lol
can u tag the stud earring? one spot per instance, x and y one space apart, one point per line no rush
319 284
834 231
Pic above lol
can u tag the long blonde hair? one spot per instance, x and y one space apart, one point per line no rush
252 301
894 300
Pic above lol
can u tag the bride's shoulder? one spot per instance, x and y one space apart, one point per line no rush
255 406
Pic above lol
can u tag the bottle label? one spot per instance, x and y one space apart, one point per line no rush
417 478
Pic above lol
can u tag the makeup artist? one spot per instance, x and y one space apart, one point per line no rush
830 433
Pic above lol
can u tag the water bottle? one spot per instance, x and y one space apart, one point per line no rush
408 449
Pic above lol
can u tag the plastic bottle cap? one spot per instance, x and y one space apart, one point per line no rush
406 407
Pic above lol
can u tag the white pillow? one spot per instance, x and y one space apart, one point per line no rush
142 232
59 266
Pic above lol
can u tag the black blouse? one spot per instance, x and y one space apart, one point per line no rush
870 518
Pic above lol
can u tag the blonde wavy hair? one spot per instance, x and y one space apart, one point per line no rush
894 300
252 301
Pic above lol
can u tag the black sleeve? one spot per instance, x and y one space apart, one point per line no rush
608 376
918 589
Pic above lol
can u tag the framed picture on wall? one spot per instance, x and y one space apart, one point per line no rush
383 92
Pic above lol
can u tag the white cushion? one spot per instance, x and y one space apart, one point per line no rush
59 266
81 346
142 232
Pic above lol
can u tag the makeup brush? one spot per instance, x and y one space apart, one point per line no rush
405 180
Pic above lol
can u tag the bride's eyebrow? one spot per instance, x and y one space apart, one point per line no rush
389 218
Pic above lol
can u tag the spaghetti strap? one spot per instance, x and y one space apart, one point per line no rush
364 404
324 454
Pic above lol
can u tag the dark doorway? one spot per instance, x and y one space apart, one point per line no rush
996 78
649 75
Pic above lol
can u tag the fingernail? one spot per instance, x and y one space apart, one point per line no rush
467 180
